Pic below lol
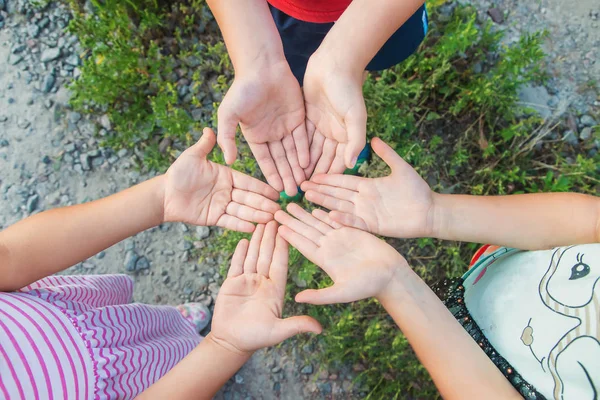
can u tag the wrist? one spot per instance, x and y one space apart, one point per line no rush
159 197
260 61
330 60
438 216
395 281
228 349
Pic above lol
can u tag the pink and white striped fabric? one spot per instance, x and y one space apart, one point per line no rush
77 337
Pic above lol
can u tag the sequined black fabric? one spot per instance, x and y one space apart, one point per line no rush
455 301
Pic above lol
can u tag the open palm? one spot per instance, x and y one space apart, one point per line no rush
201 192
248 309
360 264
398 205
270 111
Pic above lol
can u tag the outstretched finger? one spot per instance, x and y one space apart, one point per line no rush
248 213
331 295
316 150
338 193
254 200
348 219
237 261
329 148
286 328
283 167
279 264
298 226
356 126
292 158
337 165
244 182
267 165
305 246
226 125
300 136
324 217
235 224
307 218
253 250
331 203
267 247
343 181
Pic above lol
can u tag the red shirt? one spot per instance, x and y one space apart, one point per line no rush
312 10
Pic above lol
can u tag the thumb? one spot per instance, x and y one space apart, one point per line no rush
387 154
356 128
205 144
286 328
226 126
331 295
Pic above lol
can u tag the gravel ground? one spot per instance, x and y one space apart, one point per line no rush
50 157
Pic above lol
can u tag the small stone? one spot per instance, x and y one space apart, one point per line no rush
14 59
73 60
23 124
105 123
202 232
46 160
18 48
164 144
85 162
496 15
164 272
48 83
33 30
239 379
197 114
32 203
50 54
185 245
277 387
44 22
214 288
307 369
586 133
166 279
3 118
130 259
202 283
570 137
4 143
101 255
587 120
333 377
48 103
276 369
142 263
74 117
30 102
69 148
300 283
87 265
122 153
325 388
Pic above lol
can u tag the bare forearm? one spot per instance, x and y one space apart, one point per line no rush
455 362
199 375
54 240
249 32
530 221
363 29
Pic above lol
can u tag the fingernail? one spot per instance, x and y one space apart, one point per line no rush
353 162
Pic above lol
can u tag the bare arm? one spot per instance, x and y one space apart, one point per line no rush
54 240
528 221
363 29
459 368
199 375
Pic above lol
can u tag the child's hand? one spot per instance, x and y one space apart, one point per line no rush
359 264
247 313
269 107
201 192
335 105
399 205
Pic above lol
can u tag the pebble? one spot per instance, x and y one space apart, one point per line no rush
73 60
307 369
32 203
130 260
48 83
202 232
325 387
87 265
586 133
239 379
587 120
85 162
14 59
3 118
33 30
166 279
142 263
4 143
74 117
123 153
50 54
202 283
48 103
105 123
185 245
17 48
23 124
101 255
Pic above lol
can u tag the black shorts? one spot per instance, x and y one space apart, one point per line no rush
300 40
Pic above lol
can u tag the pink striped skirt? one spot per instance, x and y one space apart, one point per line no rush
130 345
